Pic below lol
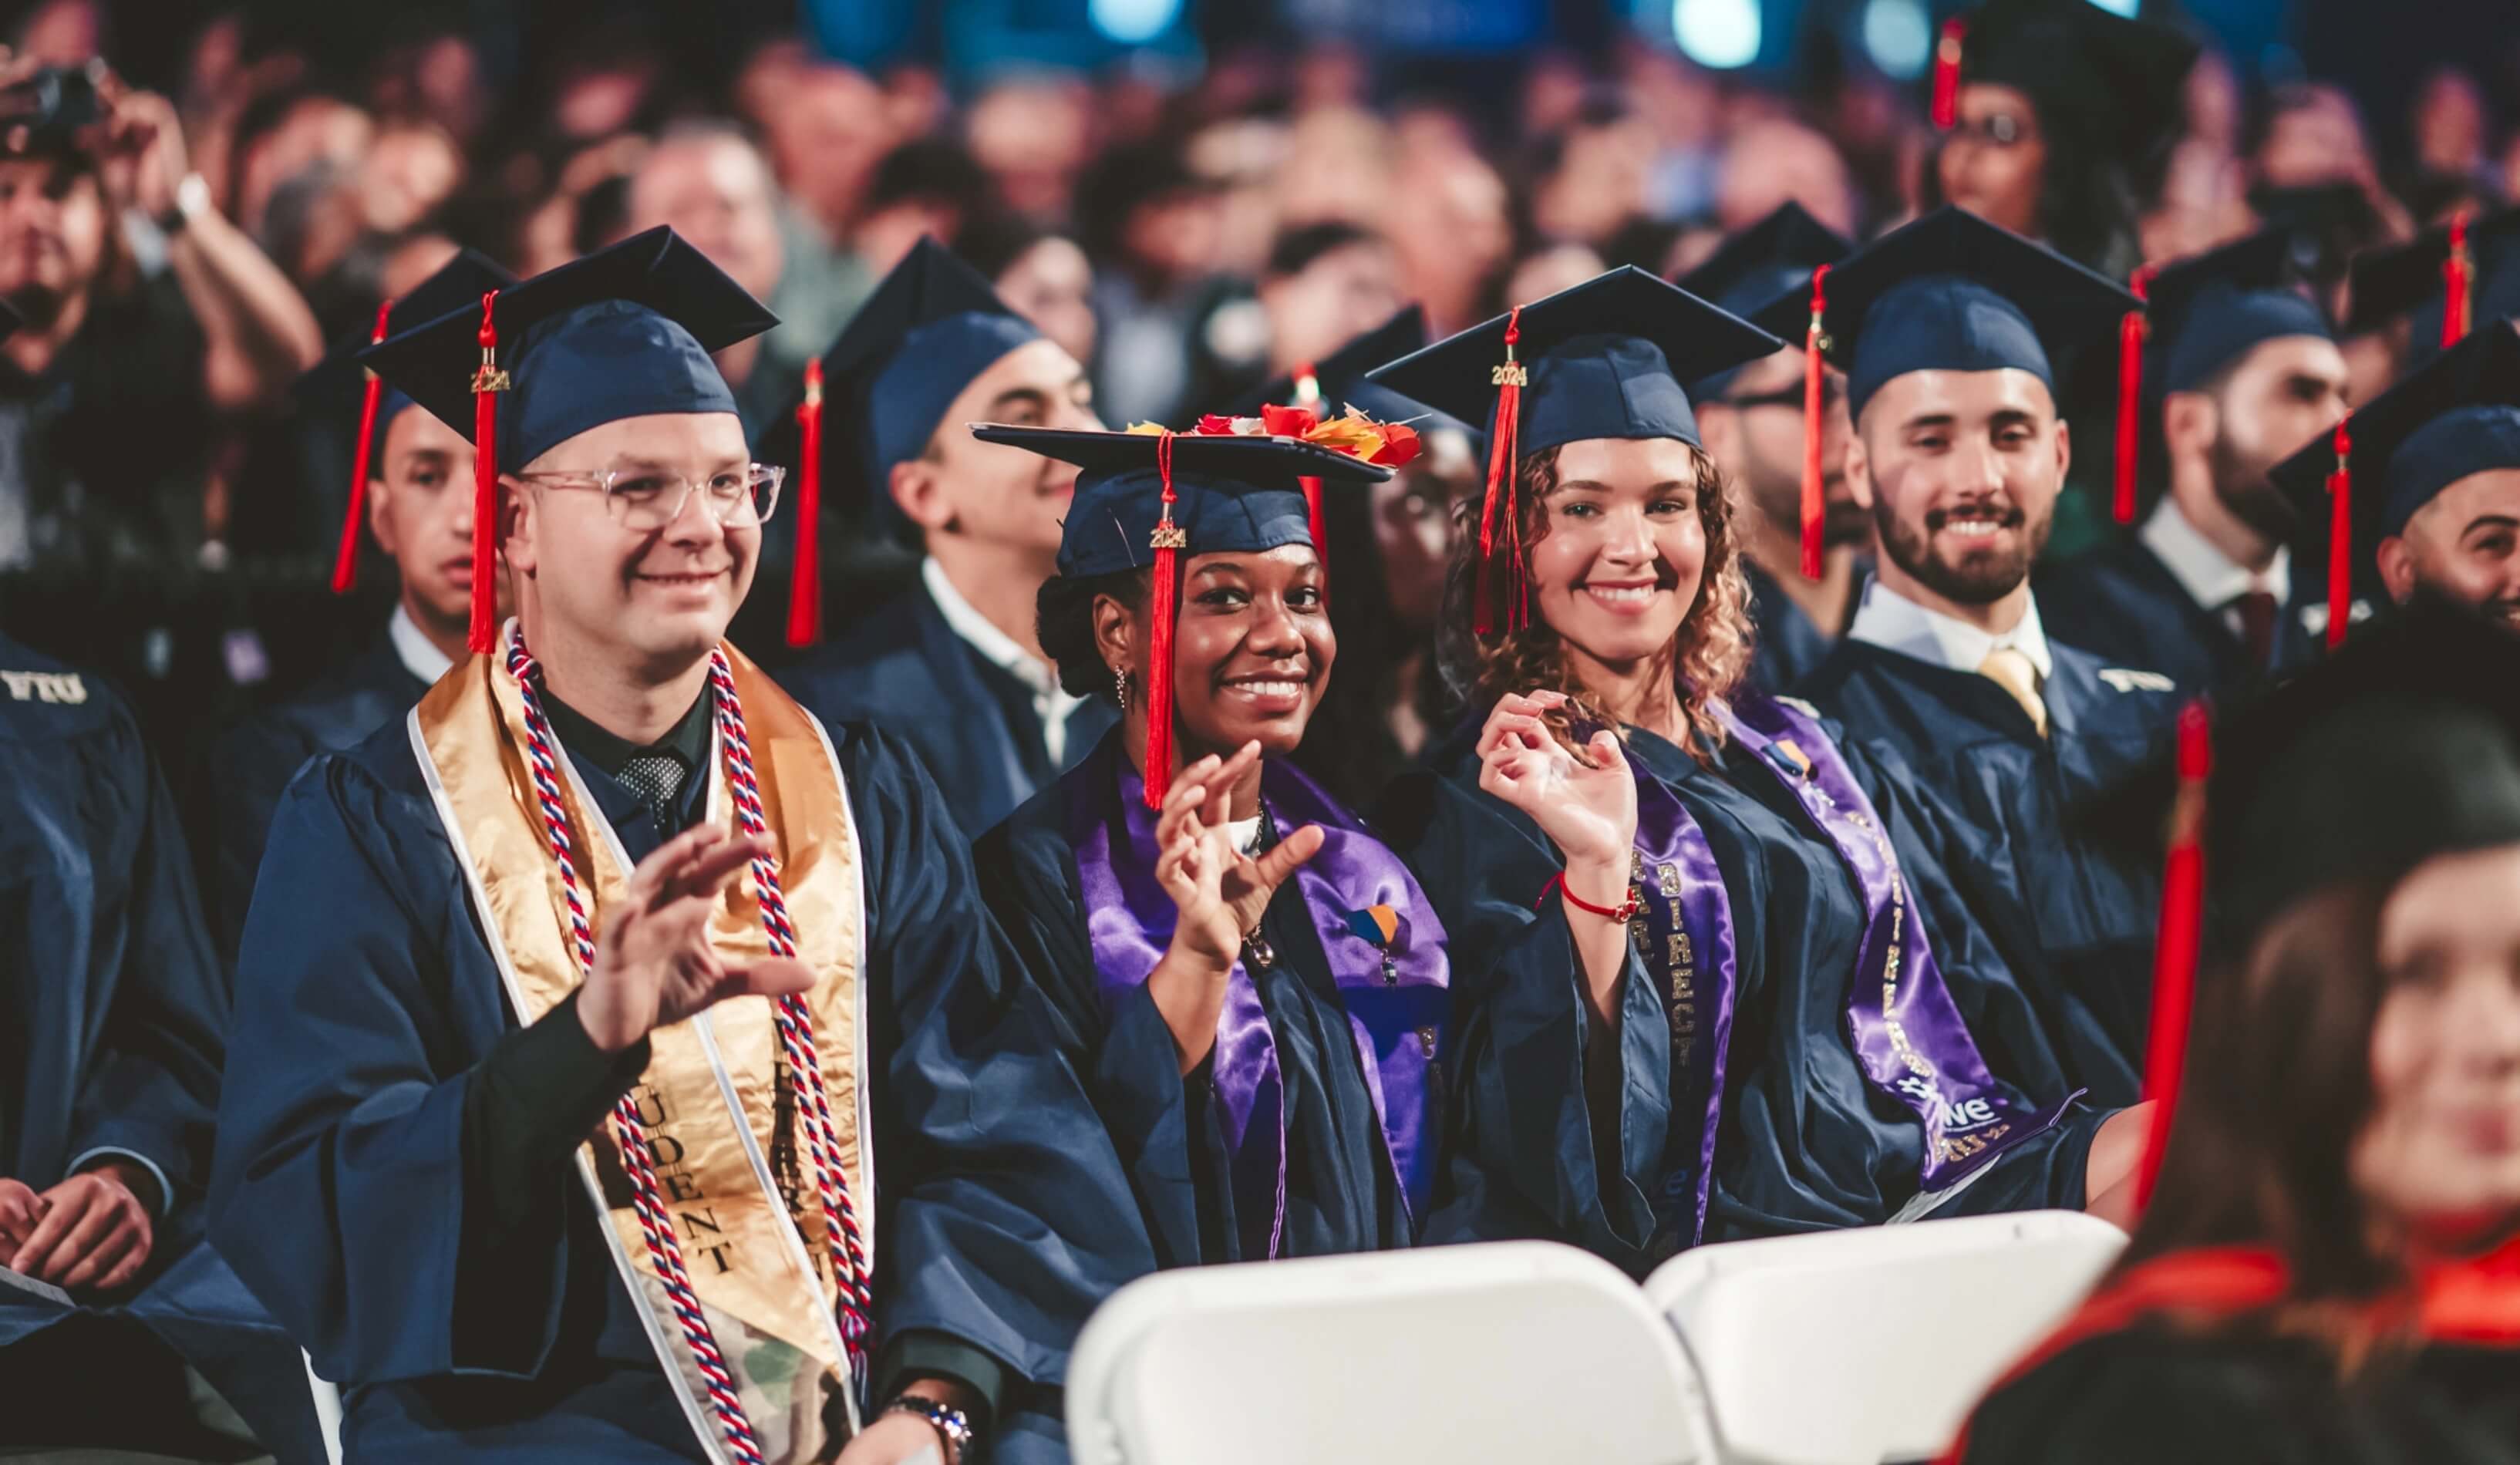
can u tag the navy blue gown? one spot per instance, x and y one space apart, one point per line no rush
970 721
2072 912
1806 1141
1788 646
339 1189
2121 604
113 1017
251 763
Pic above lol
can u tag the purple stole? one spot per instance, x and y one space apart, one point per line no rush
1682 932
1395 987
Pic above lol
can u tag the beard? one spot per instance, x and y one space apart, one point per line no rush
2246 485
1981 579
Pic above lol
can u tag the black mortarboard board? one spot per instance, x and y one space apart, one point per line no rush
931 327
2328 223
1600 359
2208 310
2412 280
1229 495
2458 416
1951 291
1758 266
459 282
623 333
2083 68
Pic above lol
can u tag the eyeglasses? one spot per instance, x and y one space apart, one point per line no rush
1998 130
644 499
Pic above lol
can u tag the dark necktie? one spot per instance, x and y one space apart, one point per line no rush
2258 611
656 778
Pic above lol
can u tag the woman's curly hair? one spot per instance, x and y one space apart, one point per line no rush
1711 650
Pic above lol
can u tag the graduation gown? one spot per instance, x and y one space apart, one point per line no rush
1805 1142
1203 1198
341 1175
112 1011
2121 604
2158 1392
2072 914
251 763
1788 646
970 721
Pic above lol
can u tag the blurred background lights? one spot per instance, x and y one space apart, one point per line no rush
1717 33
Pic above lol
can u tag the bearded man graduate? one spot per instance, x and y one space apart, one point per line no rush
1953 334
594 995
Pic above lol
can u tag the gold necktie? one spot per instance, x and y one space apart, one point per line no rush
2011 670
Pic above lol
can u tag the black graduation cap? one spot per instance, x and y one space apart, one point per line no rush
2083 68
2458 416
1144 499
932 325
2328 223
1340 381
1600 359
623 333
2481 255
2209 309
1951 291
1758 266
459 282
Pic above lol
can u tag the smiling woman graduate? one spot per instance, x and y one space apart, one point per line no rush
1800 1037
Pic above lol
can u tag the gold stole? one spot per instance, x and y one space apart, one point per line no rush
729 1157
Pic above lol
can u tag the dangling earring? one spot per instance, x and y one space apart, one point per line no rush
1120 687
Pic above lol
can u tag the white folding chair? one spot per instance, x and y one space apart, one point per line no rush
1515 1352
1852 1348
327 1408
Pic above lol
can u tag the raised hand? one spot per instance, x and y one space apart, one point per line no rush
654 964
1586 804
95 1233
1218 892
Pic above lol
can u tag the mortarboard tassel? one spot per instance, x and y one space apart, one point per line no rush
805 581
345 563
2131 331
1946 74
1168 542
2174 956
1308 393
1504 453
2340 537
2457 272
1814 378
488 383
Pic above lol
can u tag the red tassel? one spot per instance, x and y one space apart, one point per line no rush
1946 74
487 383
1312 487
1814 378
2131 331
1169 541
2340 537
2174 957
345 560
2458 271
805 582
1504 452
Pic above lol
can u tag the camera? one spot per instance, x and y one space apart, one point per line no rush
53 105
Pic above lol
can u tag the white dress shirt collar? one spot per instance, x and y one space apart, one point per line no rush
419 654
2209 576
1052 704
1893 622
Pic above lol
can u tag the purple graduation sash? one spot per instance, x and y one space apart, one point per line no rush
1395 991
1682 932
1905 1031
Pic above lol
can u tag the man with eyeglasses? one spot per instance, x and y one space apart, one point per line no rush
952 664
418 502
1752 417
579 1011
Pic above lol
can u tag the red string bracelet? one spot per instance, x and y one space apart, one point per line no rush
1623 913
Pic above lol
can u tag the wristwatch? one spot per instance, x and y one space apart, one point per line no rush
948 1421
191 201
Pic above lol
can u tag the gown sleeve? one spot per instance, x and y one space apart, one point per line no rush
2019 1048
151 1087
2139 1396
1006 1212
1526 1157
342 1192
